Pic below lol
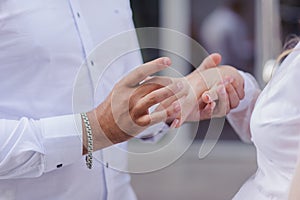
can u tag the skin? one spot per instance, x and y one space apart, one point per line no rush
191 98
205 86
125 110
294 190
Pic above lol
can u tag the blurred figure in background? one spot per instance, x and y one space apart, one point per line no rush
225 31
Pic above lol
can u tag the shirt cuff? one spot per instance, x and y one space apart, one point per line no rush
62 140
251 87
154 133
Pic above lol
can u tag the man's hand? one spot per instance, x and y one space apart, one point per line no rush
125 112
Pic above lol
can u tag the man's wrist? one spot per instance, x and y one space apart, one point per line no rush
99 140
103 135
89 136
84 138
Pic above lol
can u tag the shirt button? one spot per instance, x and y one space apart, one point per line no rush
59 166
78 14
116 11
92 63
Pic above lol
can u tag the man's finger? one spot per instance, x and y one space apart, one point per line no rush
161 80
157 96
145 70
163 115
187 104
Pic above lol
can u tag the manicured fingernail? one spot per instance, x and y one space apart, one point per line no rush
167 61
208 98
175 123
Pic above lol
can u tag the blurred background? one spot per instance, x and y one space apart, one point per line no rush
249 35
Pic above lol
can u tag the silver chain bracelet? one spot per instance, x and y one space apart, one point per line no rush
89 157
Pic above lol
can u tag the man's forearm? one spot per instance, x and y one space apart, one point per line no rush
100 140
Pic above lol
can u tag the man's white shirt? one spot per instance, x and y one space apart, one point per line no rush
42 46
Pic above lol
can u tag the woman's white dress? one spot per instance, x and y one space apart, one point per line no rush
272 123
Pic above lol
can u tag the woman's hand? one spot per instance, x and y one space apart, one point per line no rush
227 89
209 91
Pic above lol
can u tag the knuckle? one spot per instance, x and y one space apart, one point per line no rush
165 94
150 99
153 98
134 115
139 73
169 113
143 121
229 88
118 85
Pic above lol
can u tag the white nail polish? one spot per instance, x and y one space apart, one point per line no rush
175 123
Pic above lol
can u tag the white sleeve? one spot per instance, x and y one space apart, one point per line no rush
239 118
155 132
29 148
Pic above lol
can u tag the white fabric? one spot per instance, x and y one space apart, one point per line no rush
42 45
275 130
239 117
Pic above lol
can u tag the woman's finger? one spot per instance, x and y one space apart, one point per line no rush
167 102
208 110
239 88
233 97
223 103
157 96
212 60
163 115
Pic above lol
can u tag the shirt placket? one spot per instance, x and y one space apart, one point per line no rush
82 28
87 46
